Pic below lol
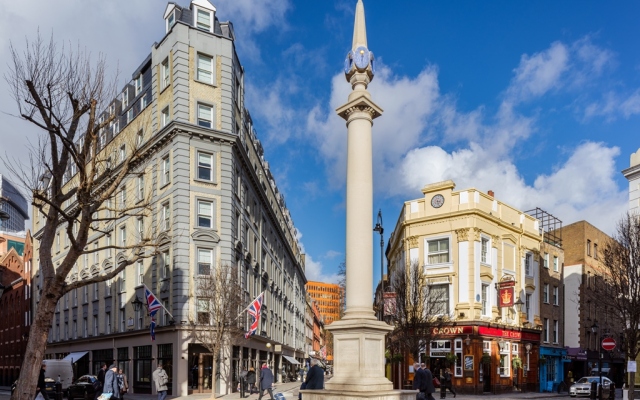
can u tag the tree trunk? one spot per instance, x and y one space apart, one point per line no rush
632 385
34 354
214 372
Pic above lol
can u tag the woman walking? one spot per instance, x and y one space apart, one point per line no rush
122 383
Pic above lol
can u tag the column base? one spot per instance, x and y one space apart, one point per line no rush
329 394
358 363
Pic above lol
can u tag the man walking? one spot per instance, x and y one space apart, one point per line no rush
315 377
41 383
160 378
429 388
418 378
101 373
266 380
111 382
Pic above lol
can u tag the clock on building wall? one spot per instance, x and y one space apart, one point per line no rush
437 201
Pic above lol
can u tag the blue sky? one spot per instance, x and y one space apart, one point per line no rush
538 101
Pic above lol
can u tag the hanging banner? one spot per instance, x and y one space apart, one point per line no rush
506 293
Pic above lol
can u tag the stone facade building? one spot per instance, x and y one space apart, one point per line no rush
470 245
633 176
214 202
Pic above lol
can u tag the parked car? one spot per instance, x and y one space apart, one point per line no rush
583 386
84 388
50 386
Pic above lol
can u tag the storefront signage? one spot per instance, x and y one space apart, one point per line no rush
506 293
439 353
452 330
504 333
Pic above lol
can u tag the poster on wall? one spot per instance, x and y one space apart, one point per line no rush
468 363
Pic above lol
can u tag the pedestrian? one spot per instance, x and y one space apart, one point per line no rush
266 381
301 372
101 373
123 384
111 382
161 379
194 377
315 377
418 380
42 385
447 383
243 382
251 380
428 387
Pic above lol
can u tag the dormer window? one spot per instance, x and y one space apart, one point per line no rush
171 20
125 98
138 84
204 19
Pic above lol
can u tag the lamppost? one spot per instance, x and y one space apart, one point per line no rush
594 329
268 348
467 341
380 230
528 348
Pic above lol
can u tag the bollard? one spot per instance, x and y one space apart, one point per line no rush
612 391
59 390
594 390
625 394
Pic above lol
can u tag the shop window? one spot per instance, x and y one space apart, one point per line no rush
142 369
505 360
486 347
458 353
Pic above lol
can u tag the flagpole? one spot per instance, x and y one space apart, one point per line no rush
163 307
247 307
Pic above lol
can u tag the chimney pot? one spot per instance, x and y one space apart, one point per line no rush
490 192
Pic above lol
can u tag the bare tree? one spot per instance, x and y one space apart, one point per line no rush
618 287
219 299
419 307
73 175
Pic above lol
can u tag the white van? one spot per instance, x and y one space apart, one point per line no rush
62 369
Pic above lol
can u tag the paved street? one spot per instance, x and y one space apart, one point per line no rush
290 391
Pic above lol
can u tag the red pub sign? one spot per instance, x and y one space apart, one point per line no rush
506 293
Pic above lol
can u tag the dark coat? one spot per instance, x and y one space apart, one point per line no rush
101 377
428 384
41 382
251 377
315 378
266 378
418 379
111 384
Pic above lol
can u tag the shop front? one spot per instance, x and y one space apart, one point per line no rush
552 363
482 359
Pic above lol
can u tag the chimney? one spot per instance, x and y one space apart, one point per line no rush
490 192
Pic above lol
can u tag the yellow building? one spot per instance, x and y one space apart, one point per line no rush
470 246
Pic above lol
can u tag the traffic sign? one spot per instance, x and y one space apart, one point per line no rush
608 344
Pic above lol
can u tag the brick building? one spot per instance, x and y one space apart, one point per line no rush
583 244
15 309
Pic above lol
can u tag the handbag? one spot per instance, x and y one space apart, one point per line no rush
436 382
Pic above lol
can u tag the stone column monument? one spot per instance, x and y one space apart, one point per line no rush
358 338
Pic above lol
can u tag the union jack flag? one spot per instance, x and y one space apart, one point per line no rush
254 310
153 304
153 329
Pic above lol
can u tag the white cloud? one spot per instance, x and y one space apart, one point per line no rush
539 73
419 120
314 269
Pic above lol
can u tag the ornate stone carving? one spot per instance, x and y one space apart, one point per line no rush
476 234
496 240
412 242
463 234
361 108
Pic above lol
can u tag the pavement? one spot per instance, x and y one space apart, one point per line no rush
290 391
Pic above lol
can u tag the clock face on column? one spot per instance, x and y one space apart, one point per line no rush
437 201
348 62
361 57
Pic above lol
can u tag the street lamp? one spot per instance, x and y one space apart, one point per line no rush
467 341
268 348
137 304
594 329
380 230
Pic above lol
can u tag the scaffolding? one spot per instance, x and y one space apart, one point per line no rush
550 226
